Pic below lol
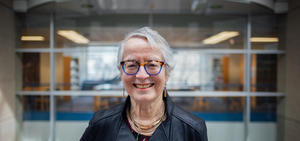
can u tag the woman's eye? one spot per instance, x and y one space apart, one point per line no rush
152 65
131 65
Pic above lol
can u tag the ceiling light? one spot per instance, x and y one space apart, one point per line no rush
32 38
264 39
222 36
73 36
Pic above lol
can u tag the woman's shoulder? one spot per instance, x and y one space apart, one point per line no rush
107 114
183 115
189 119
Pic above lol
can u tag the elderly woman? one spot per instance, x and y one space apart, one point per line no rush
148 114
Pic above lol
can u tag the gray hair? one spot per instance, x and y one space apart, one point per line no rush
155 40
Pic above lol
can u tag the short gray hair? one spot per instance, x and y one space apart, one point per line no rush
155 40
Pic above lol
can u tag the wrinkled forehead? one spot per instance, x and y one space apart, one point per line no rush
143 57
139 47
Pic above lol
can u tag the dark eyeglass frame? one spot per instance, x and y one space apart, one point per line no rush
122 63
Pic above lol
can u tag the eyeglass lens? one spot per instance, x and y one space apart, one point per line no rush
132 67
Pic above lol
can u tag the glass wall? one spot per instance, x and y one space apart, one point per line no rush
266 32
35 116
35 71
266 75
34 29
233 84
91 68
198 71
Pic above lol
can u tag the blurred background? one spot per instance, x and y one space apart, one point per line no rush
237 64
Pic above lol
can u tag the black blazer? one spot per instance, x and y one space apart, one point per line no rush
110 125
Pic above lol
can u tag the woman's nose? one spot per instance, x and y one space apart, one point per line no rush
142 73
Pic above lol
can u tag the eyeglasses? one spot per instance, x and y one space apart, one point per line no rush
152 67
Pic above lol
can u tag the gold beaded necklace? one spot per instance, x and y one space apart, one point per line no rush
146 128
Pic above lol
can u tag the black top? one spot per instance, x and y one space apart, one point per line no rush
111 125
137 136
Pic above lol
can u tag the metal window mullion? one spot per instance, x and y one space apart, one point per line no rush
118 93
52 79
200 51
31 50
247 79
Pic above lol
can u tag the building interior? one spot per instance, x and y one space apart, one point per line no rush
237 64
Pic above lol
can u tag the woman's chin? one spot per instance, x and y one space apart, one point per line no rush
143 97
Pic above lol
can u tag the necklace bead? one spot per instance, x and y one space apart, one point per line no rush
145 128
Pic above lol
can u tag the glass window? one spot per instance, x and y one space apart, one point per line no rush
195 70
91 68
265 32
181 31
84 104
74 112
35 116
264 73
263 119
198 31
35 71
223 115
89 31
213 108
34 30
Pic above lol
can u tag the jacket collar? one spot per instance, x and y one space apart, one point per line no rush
169 105
161 133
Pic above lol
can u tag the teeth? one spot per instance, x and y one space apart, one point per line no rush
143 86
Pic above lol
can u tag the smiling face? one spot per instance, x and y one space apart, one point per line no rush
142 87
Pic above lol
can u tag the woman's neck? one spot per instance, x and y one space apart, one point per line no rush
149 111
